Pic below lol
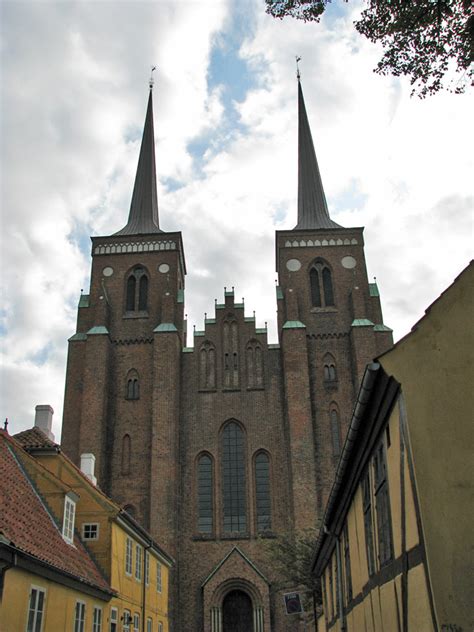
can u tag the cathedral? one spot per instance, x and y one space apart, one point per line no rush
221 448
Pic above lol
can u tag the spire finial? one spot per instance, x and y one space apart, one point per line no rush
298 74
151 81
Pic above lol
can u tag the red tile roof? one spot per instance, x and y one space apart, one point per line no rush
28 525
34 438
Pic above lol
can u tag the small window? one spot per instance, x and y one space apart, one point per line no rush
369 537
138 562
90 531
68 519
160 627
347 564
35 610
335 433
79 616
127 620
382 506
262 492
147 567
149 625
128 556
320 281
132 389
136 622
136 291
113 619
205 495
97 620
159 577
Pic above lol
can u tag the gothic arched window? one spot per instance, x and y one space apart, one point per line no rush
234 506
205 494
262 492
136 295
231 353
320 279
254 365
335 432
126 449
207 366
330 374
132 386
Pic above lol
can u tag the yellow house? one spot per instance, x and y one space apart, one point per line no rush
133 568
395 549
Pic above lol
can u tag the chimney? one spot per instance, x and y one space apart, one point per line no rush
87 466
44 419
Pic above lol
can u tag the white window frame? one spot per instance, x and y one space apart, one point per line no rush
128 556
95 534
97 619
114 618
138 562
147 567
136 622
127 619
160 626
149 625
159 577
79 622
37 613
68 519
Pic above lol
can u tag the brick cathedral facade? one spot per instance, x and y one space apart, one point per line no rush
221 447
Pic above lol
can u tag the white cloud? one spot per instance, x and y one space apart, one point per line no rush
73 113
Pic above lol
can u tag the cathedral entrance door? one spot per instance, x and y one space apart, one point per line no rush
237 612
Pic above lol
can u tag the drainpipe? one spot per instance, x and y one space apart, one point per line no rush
145 564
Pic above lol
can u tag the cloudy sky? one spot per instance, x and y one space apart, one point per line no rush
74 89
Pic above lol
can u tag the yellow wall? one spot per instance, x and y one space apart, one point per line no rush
130 589
381 609
59 607
435 367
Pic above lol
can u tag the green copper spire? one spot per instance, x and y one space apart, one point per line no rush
143 216
312 207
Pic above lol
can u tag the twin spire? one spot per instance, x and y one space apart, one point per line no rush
312 207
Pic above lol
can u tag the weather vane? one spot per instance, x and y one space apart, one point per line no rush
152 81
298 58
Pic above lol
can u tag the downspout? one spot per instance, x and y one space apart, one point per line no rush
146 565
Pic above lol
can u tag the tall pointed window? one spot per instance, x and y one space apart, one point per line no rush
335 432
330 374
262 492
207 366
205 494
126 449
320 279
233 479
254 365
132 387
231 353
136 293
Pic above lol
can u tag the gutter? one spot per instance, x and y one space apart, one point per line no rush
363 398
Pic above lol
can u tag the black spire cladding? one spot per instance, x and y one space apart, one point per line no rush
312 207
143 217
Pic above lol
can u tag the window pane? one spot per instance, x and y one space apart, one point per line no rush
327 285
233 473
131 284
262 491
143 293
315 291
205 495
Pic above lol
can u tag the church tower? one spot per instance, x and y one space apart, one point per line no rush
224 447
330 326
123 375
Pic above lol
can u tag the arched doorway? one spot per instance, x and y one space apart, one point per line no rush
237 612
